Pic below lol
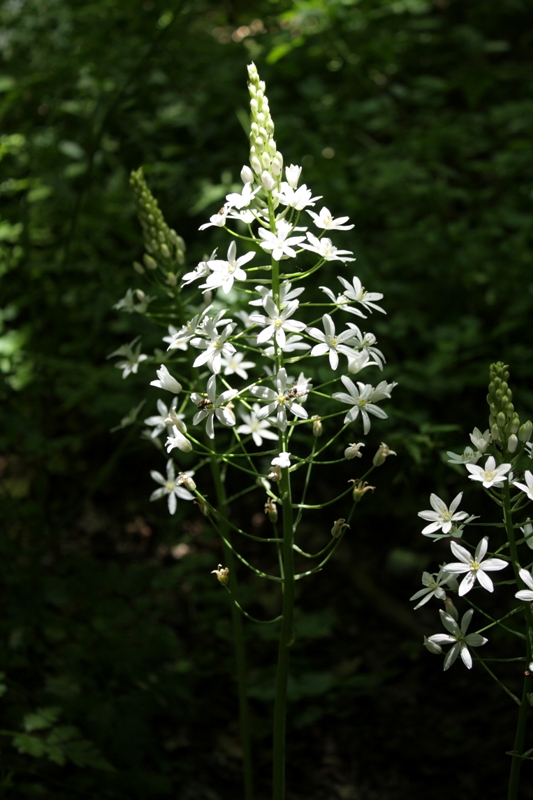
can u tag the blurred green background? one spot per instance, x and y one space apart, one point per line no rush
412 117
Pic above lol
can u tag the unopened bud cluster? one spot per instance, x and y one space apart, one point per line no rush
163 244
504 422
265 159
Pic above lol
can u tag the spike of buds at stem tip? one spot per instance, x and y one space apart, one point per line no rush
382 453
360 488
222 574
338 527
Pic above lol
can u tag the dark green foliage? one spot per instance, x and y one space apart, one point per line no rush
412 117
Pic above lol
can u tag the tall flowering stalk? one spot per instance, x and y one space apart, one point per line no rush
261 387
505 474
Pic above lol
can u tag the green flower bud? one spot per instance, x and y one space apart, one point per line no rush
150 262
495 433
512 443
500 419
524 434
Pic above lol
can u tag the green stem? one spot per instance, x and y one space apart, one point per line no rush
516 763
285 640
238 637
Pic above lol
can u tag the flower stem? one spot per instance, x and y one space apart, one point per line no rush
286 639
516 763
238 637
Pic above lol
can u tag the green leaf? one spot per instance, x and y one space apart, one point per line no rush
41 719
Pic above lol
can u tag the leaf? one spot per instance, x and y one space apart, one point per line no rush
41 719
30 745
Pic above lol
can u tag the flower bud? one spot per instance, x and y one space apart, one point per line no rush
338 527
524 434
382 453
271 510
164 249
353 451
247 176
204 508
150 262
495 433
317 426
187 481
276 166
172 279
255 164
450 608
265 161
433 647
138 267
500 419
268 181
514 425
292 174
360 488
512 443
275 473
222 574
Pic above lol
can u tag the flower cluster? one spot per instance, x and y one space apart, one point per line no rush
508 441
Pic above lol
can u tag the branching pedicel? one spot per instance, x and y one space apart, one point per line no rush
507 441
247 349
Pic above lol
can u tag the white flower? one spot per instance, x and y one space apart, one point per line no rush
468 457
529 481
295 198
234 365
282 460
474 566
225 272
217 220
325 221
282 399
458 637
133 356
258 428
491 474
211 406
215 347
359 398
243 199
169 487
366 343
276 322
200 271
329 342
129 305
526 594
160 423
353 451
292 174
360 361
166 381
280 244
442 517
358 294
178 439
480 440
325 249
341 301
292 343
286 293
433 588
247 176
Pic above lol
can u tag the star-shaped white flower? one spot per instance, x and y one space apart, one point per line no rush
491 475
295 198
276 322
258 428
282 399
528 489
526 594
170 487
224 273
160 422
326 250
442 517
433 588
215 346
132 354
178 439
325 221
281 244
474 566
282 460
332 343
235 365
211 406
359 397
458 637
469 456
